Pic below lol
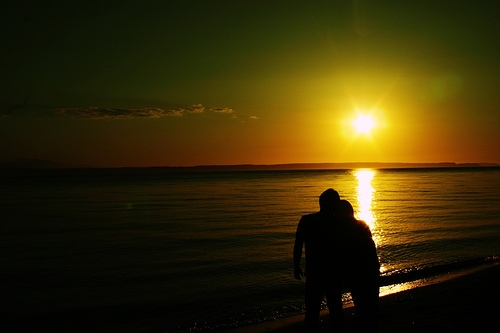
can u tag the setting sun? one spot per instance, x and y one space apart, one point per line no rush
363 124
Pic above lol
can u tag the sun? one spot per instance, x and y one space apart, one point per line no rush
363 124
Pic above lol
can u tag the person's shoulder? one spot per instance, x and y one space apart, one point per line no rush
362 226
310 217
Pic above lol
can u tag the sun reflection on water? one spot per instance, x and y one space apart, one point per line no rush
365 192
366 202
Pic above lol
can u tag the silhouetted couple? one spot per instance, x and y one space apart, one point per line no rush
340 253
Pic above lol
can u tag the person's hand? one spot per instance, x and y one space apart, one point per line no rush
297 273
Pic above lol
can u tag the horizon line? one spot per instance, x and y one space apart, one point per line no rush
26 163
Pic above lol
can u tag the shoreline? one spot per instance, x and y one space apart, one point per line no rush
457 301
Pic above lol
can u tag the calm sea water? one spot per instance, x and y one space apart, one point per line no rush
144 250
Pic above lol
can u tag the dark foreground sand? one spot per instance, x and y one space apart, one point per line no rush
467 303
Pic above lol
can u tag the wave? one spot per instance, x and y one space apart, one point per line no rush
287 309
428 271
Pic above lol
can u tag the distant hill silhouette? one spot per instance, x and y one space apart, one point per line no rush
329 166
26 163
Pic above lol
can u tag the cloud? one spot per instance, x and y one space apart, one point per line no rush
195 108
221 110
174 112
94 112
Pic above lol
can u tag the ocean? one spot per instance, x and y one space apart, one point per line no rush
148 250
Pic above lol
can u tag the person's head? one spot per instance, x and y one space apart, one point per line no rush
344 209
328 200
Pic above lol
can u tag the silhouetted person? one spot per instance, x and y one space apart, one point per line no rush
360 265
317 232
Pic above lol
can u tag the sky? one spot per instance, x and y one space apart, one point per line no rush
183 83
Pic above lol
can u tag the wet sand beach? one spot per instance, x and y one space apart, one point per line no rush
469 302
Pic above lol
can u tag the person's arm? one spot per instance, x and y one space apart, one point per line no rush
297 252
371 249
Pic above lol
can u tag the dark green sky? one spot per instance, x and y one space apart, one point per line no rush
136 83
